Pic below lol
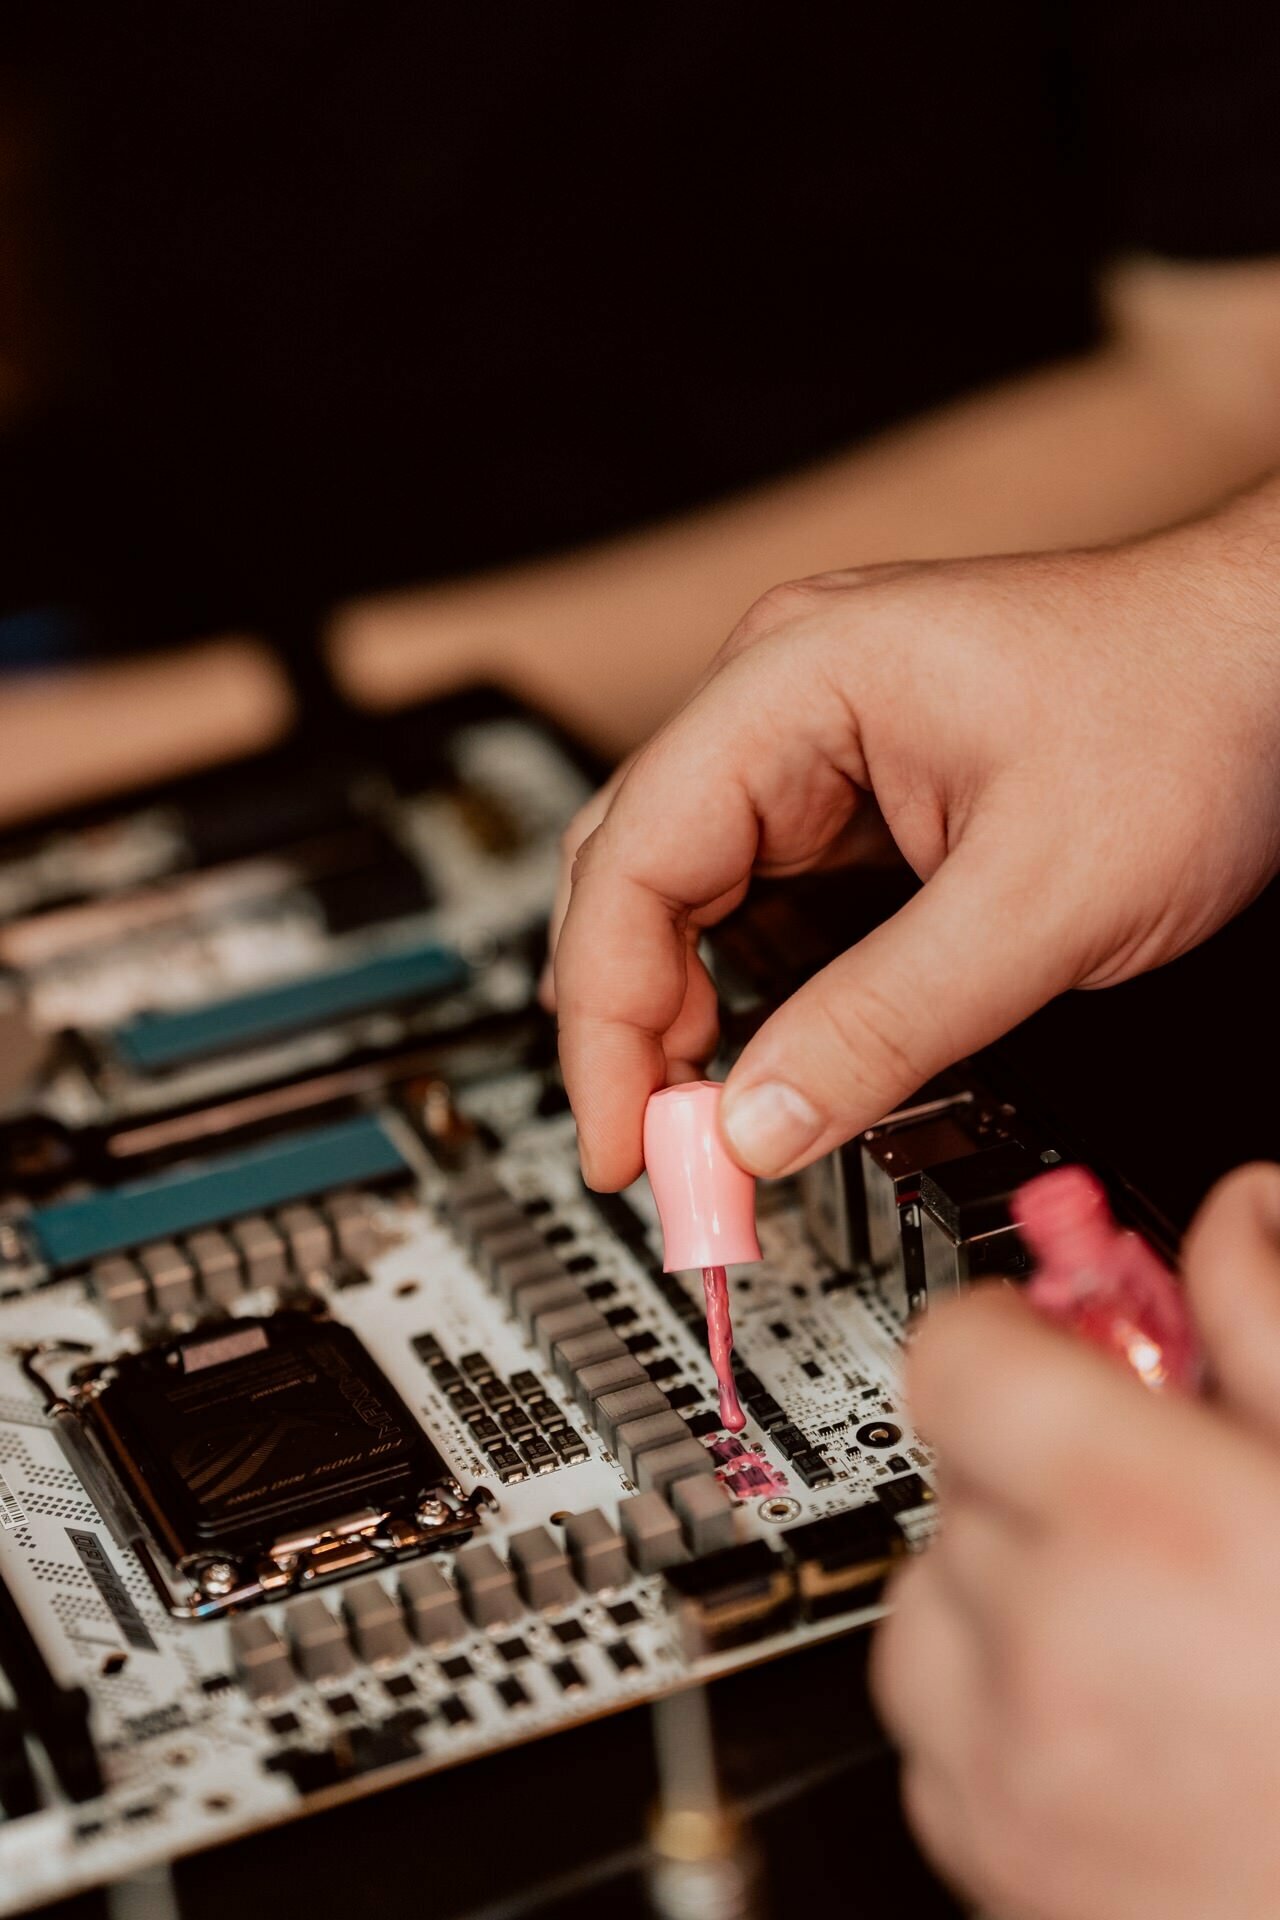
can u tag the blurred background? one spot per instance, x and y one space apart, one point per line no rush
371 348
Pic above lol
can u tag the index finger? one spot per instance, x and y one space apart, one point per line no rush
723 782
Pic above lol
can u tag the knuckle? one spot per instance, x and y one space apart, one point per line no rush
774 608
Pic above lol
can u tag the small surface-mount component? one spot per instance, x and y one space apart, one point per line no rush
568 1676
487 1431
539 1454
375 1621
307 1239
570 1632
659 1467
813 1469
582 1350
217 1266
790 1440
597 1551
261 1250
170 1275
842 1560
508 1465
623 1656
496 1395
353 1226
319 1640
562 1323
549 1417
542 1568
511 1693
613 1410
730 1598
120 1286
767 1413
525 1385
512 1276
261 1657
705 1512
633 1438
488 1587
598 1377
454 1711
570 1447
546 1296
652 1532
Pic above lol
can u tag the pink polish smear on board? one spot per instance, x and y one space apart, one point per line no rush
715 1286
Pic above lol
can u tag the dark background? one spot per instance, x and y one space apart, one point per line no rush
316 298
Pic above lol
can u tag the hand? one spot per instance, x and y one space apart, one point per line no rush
1079 754
1081 1670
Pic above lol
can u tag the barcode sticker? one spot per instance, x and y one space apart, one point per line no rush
11 1514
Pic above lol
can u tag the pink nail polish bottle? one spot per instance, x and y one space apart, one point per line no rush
1104 1283
706 1204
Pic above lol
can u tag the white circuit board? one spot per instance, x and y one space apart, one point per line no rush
183 1745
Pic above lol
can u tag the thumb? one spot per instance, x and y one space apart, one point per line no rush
1231 1264
975 951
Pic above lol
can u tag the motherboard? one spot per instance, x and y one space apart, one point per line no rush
345 1436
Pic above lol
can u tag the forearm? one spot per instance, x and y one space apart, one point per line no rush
1161 422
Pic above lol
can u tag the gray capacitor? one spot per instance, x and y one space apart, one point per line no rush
580 1350
525 1270
217 1266
262 1250
613 1410
488 1587
375 1621
561 1323
705 1512
597 1551
307 1237
477 1187
543 1297
353 1226
435 1612
652 1532
478 1224
599 1377
659 1467
636 1437
319 1640
171 1275
260 1656
542 1568
120 1286
497 1250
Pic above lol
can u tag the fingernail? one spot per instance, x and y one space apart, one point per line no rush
769 1126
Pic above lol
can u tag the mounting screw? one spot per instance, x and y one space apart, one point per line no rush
218 1578
433 1513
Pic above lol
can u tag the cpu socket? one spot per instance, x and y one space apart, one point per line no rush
268 1455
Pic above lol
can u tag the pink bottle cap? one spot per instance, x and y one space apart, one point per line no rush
705 1200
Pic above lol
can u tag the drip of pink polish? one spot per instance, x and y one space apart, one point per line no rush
715 1285
706 1203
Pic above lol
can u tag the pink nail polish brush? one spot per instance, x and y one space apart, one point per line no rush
1104 1283
706 1204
